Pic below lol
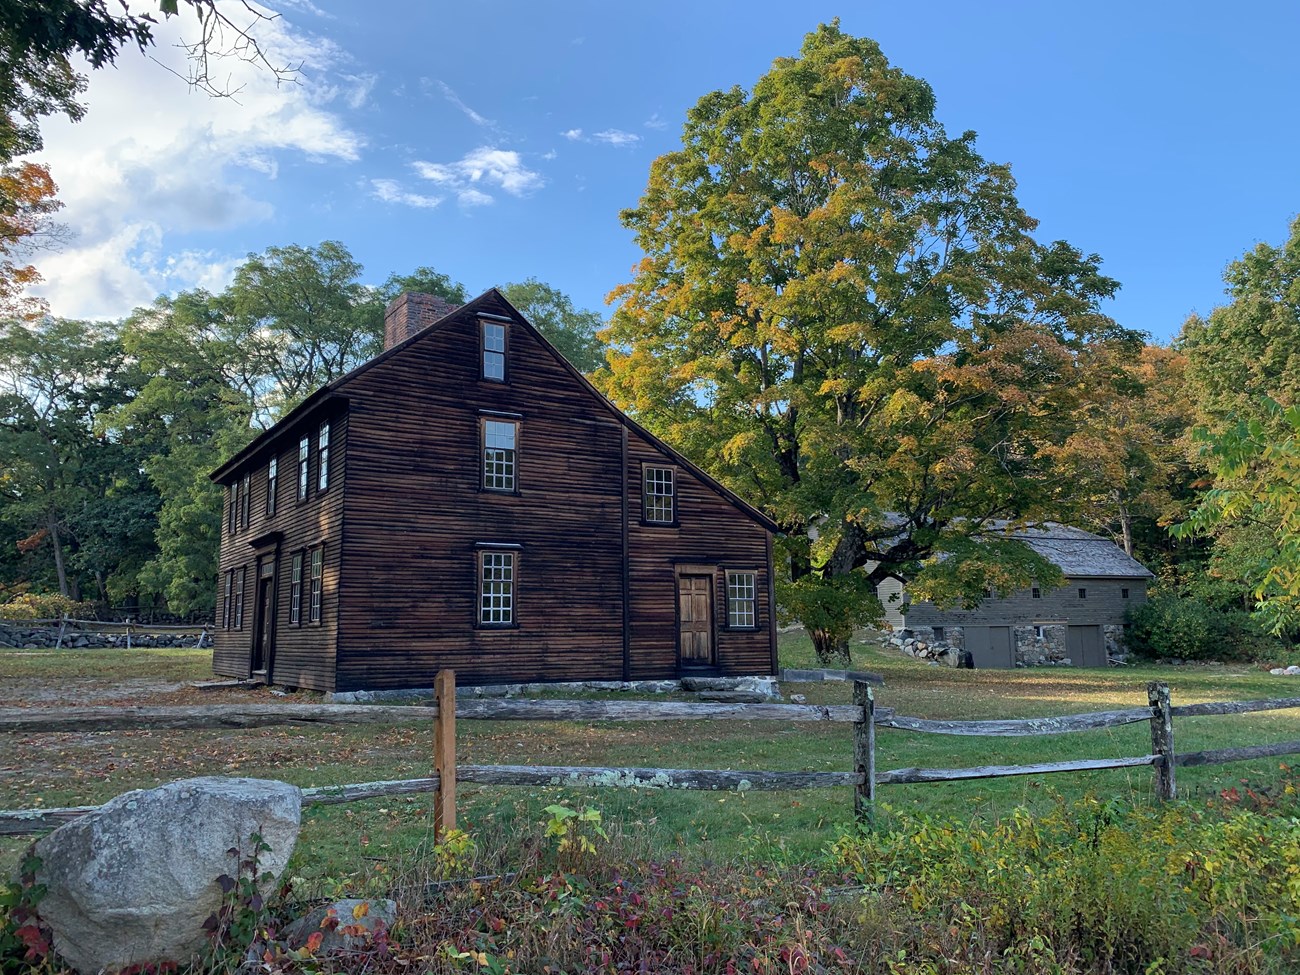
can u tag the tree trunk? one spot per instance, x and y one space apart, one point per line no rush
1126 525
830 649
57 541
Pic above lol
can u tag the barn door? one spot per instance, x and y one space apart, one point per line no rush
695 620
990 647
1086 646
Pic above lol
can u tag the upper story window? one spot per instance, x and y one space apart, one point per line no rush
295 590
234 506
494 351
304 449
658 495
1036 593
323 457
1123 594
1083 593
272 482
742 600
317 580
245 500
496 591
500 439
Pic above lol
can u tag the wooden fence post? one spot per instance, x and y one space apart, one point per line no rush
864 752
1162 739
444 754
63 624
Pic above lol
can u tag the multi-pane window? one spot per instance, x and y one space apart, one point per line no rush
272 480
1123 594
494 351
304 448
239 598
323 458
295 590
225 607
1036 593
742 600
657 495
496 588
1083 593
317 575
234 506
246 499
499 454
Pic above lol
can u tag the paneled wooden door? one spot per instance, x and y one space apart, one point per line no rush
264 622
695 620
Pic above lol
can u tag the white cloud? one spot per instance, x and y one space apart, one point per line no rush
485 166
470 114
617 137
153 160
609 137
655 122
549 155
390 191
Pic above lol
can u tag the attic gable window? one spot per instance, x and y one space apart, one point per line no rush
494 351
658 495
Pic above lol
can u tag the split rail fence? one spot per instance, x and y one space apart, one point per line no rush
863 715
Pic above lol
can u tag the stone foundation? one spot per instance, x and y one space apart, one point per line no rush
1032 649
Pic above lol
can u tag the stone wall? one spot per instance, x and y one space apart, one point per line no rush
17 634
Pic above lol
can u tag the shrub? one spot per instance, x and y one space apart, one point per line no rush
43 606
1189 629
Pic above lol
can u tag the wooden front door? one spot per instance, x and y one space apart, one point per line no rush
695 620
264 622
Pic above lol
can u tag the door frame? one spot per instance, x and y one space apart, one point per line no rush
265 560
683 569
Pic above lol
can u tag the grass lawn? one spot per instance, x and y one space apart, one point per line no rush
365 839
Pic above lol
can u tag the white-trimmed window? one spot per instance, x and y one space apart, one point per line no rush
226 606
245 500
239 598
295 590
234 506
742 600
323 457
317 579
658 495
494 351
496 588
272 482
500 438
304 451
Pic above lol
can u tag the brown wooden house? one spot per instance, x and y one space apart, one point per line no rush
468 500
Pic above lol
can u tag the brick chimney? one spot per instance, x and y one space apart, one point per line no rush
409 312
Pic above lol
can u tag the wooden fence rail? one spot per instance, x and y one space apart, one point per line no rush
863 714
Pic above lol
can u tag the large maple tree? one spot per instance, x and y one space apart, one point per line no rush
843 314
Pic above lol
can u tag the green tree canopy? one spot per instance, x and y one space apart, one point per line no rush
569 329
842 313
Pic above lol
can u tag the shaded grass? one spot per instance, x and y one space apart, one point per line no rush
362 840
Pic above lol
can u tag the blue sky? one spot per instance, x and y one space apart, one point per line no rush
499 140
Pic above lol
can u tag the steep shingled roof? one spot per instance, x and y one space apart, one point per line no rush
1080 553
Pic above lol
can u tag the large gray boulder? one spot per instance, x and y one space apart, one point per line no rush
134 881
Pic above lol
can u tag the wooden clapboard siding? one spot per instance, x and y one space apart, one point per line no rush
303 655
416 511
711 532
595 589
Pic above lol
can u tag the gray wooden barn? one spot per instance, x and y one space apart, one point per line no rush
1082 622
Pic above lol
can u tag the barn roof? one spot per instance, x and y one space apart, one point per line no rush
1080 553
